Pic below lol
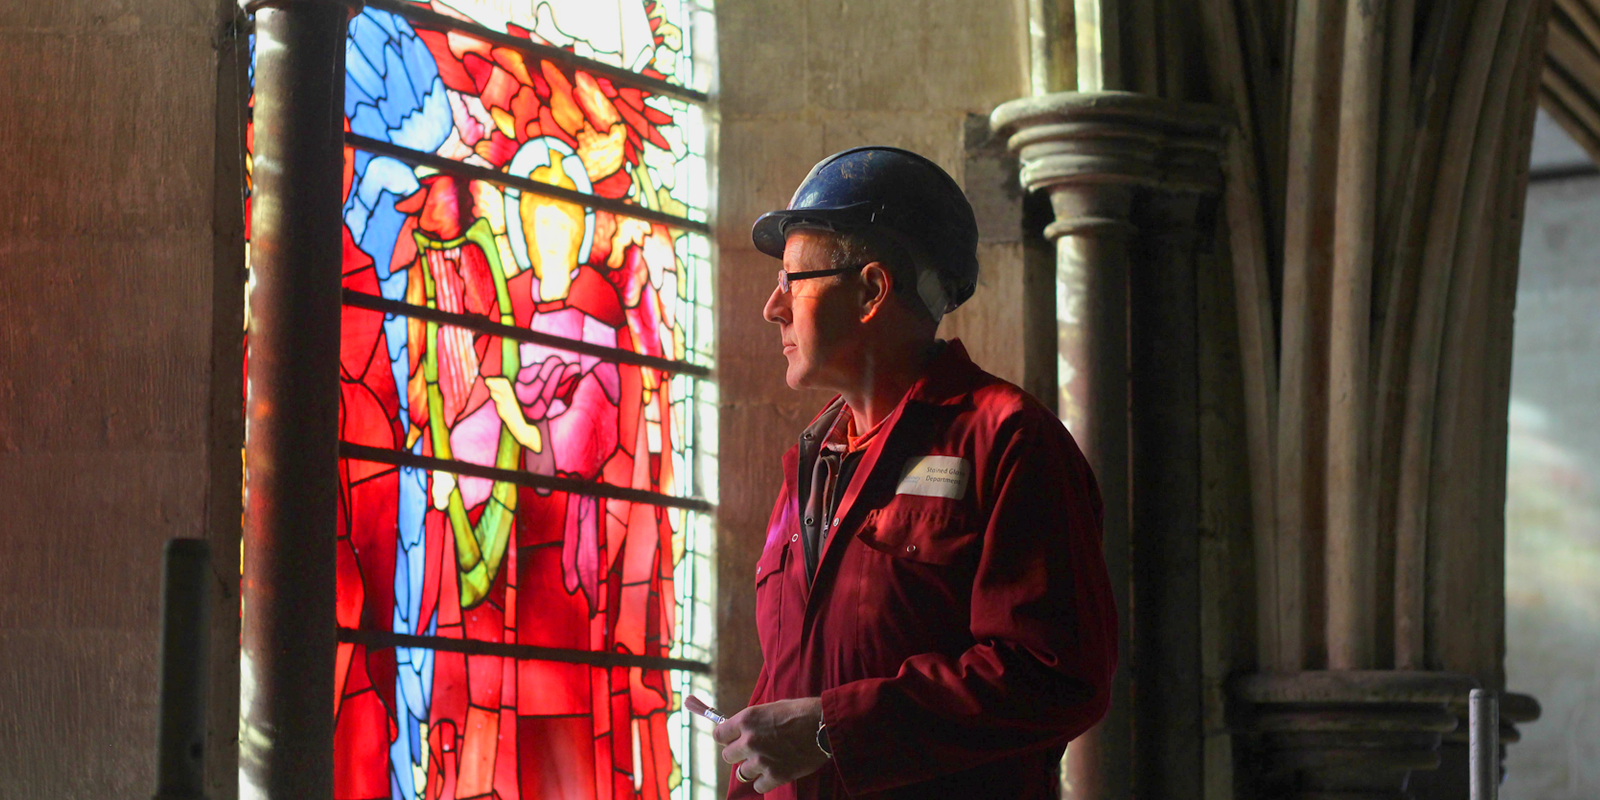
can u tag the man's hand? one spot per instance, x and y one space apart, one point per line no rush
773 743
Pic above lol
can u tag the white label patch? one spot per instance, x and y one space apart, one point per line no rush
936 476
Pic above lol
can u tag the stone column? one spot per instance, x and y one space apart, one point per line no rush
292 404
1125 175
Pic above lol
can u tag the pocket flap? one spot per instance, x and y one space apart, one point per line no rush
931 536
772 560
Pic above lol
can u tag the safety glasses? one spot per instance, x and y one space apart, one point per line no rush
785 277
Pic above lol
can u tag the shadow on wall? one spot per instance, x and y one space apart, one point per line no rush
1552 608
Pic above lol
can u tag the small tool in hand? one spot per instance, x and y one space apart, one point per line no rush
699 706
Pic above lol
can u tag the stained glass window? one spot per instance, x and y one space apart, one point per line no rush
526 420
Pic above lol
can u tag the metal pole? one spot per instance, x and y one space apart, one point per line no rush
292 403
185 628
1483 744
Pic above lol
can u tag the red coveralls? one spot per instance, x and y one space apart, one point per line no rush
958 643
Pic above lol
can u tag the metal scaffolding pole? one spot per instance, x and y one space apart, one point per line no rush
184 684
1483 745
292 403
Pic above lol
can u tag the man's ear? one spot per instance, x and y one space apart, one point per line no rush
877 284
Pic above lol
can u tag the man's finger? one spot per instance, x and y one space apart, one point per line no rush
764 784
736 752
746 772
725 733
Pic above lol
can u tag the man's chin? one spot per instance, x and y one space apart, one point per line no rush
797 376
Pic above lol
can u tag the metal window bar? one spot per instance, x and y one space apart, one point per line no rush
401 458
474 172
431 20
374 640
477 324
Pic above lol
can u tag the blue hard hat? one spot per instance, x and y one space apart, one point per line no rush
885 191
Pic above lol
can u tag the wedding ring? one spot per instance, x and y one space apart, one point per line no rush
738 772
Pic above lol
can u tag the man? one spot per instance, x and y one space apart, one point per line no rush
932 601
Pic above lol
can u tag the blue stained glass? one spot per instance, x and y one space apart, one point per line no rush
368 122
362 82
427 127
378 186
368 35
419 61
399 96
413 501
382 231
392 25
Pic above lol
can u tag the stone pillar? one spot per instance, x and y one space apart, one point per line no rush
1130 178
1126 175
292 404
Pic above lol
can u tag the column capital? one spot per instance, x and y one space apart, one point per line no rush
1363 733
1114 139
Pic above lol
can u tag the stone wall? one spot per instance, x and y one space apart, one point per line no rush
800 79
107 256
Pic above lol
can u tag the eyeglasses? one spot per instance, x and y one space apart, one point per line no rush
785 277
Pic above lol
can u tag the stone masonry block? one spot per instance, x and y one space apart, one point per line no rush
86 694
107 342
760 163
84 534
756 50
106 134
934 134
121 17
914 56
746 278
990 324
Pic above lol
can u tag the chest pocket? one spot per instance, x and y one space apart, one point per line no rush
935 533
769 592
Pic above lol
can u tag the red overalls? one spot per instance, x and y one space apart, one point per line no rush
960 626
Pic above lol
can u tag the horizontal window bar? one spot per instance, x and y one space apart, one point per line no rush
472 647
426 18
1561 172
401 458
372 302
474 172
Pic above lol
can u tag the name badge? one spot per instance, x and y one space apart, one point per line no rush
936 476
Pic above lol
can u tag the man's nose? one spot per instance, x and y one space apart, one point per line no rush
777 308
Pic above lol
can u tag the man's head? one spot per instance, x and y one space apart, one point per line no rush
897 240
832 324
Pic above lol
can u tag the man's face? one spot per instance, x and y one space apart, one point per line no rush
818 319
